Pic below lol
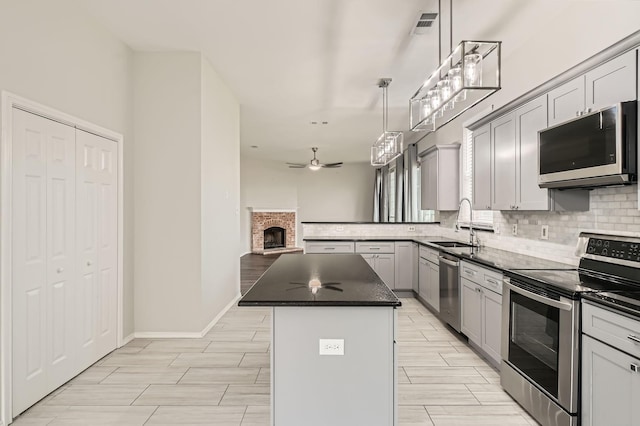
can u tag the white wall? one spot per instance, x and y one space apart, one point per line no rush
344 194
167 187
578 31
55 54
220 192
187 187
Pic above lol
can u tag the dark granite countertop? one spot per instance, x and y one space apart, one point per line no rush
374 238
487 256
504 260
320 280
370 223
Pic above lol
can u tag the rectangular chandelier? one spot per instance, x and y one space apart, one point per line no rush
468 75
387 148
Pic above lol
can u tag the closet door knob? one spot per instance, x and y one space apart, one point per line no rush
89 263
59 270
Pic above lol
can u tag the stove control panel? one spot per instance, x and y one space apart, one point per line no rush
616 249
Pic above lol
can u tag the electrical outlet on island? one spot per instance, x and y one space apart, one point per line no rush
514 229
412 229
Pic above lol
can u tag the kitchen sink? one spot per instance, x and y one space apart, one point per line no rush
450 244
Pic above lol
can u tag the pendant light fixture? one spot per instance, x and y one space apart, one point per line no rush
388 147
468 75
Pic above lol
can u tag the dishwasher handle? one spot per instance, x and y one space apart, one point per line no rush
449 262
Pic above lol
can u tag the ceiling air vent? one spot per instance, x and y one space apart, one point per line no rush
425 21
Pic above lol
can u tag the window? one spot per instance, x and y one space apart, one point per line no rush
481 218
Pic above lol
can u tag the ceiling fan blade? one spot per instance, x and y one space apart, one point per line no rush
332 165
296 165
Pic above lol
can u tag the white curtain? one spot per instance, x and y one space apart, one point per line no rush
400 217
377 196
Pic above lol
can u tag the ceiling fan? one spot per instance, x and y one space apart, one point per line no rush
314 164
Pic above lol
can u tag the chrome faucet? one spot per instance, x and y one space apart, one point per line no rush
471 233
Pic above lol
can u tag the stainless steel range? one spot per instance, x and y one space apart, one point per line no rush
541 324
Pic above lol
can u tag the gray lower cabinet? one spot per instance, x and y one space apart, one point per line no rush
471 299
384 265
314 247
610 387
429 278
481 301
610 367
380 255
405 257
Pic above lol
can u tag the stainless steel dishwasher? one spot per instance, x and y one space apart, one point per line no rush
450 290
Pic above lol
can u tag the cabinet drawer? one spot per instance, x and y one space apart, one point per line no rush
430 254
617 330
329 247
487 278
375 247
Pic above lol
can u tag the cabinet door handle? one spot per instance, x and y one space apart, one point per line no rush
577 113
600 121
329 248
634 368
375 248
89 263
59 270
478 289
469 272
492 281
634 339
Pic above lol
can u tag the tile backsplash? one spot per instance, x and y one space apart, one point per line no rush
612 209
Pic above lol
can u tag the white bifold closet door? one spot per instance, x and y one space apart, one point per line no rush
96 243
64 220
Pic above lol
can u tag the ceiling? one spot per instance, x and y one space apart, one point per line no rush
294 62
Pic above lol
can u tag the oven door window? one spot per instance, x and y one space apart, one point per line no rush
533 341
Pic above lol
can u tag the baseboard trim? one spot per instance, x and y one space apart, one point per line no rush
126 340
186 334
217 317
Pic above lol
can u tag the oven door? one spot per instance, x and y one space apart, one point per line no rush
540 340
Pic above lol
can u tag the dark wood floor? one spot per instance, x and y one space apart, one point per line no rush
252 266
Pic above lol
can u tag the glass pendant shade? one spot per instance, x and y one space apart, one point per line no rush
473 70
455 78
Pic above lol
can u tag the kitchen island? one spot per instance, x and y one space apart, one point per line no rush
333 358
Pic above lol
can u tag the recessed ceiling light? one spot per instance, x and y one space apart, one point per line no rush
325 122
254 146
314 122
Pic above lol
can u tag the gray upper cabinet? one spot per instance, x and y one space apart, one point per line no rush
440 174
503 154
529 120
482 168
612 82
505 165
566 101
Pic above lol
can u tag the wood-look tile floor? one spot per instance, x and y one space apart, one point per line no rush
223 379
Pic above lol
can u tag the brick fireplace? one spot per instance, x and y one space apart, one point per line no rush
269 220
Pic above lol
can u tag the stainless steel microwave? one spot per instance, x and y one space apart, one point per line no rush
595 149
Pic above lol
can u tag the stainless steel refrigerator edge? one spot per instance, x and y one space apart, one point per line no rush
450 290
